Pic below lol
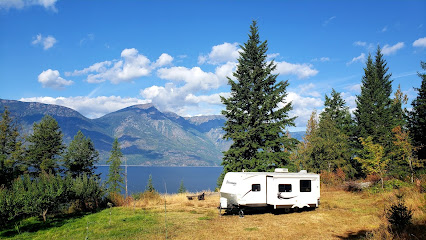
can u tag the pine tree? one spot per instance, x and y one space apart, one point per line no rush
81 156
115 178
182 188
337 111
256 112
373 115
334 131
45 146
418 117
11 150
150 186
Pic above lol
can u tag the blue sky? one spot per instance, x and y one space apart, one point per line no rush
100 56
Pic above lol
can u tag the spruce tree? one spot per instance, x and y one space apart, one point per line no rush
418 117
337 111
256 112
373 115
45 146
115 178
150 186
11 150
81 156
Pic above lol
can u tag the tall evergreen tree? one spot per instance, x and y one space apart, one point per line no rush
45 146
11 150
373 115
256 112
81 156
115 178
418 117
335 129
337 111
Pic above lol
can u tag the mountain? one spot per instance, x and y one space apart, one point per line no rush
146 135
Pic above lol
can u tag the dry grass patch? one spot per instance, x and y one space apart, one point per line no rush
341 215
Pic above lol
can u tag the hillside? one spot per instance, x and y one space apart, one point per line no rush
147 136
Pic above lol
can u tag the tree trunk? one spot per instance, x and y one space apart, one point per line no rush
44 215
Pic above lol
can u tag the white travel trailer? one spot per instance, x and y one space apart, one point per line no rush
280 189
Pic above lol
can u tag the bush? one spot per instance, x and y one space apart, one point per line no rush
352 187
399 216
337 177
395 184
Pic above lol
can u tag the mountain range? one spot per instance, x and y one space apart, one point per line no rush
146 135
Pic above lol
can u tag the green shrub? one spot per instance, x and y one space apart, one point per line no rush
395 184
398 215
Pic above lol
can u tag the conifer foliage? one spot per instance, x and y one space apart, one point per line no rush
115 178
45 146
373 115
81 156
418 117
256 112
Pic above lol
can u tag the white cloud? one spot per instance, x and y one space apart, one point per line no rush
226 52
97 67
90 107
326 22
384 29
186 91
308 89
132 65
163 60
388 50
355 88
421 42
46 42
359 43
323 59
50 78
300 70
302 107
20 4
360 58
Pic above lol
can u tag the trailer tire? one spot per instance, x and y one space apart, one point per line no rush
241 213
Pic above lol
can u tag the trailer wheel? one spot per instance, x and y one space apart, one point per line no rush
241 213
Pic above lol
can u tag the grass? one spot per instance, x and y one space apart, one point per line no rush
341 215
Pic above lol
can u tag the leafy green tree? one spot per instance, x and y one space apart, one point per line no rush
405 151
182 188
256 112
372 157
115 179
418 118
150 187
373 115
81 156
11 150
45 146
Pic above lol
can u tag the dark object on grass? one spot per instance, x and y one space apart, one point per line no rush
200 197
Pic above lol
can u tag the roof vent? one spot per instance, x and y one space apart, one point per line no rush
303 171
281 170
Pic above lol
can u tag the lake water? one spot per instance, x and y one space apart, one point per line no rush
195 179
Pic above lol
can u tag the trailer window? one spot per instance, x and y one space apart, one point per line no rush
284 188
255 187
305 185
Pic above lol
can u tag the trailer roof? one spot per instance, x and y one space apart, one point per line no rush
276 174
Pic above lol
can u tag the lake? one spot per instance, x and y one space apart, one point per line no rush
195 179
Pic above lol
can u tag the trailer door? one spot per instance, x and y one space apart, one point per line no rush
253 191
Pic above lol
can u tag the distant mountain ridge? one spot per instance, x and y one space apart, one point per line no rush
146 135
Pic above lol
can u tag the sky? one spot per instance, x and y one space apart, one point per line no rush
97 57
